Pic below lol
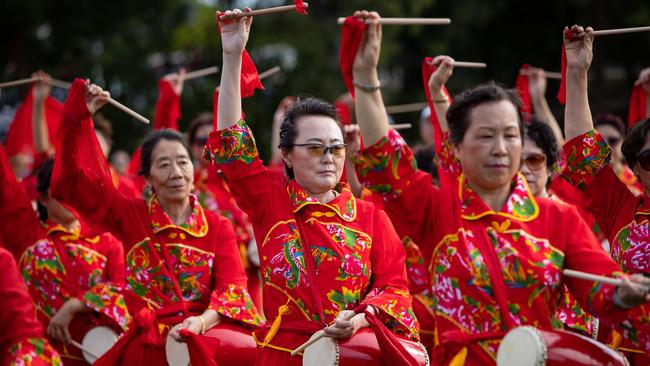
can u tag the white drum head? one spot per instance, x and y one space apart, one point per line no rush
325 352
522 346
177 353
98 340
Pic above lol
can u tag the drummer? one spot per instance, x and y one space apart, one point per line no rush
73 275
183 268
498 252
355 257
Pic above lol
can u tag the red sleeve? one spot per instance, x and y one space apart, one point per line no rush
229 296
115 267
389 291
388 168
168 107
81 176
17 314
20 227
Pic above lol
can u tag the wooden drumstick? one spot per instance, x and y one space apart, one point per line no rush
19 82
317 336
473 65
547 74
277 9
405 108
60 84
82 348
201 72
265 74
608 32
407 21
592 277
401 126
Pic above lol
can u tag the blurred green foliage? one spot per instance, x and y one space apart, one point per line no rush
127 46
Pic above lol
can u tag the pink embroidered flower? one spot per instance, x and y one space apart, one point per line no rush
589 141
352 266
637 256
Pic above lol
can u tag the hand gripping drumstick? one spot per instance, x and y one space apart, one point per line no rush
317 336
277 9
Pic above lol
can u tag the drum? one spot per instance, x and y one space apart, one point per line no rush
232 344
177 353
361 349
528 345
98 340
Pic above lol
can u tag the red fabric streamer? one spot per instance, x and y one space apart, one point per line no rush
19 137
300 7
637 110
392 351
250 79
521 84
351 35
343 113
168 107
198 349
427 70
561 94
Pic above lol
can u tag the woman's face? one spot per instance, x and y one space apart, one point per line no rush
314 172
533 167
200 138
171 174
490 152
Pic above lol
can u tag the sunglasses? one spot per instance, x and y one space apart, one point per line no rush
535 161
644 159
318 150
200 141
612 141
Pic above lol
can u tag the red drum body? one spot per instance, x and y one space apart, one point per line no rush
528 345
232 344
361 349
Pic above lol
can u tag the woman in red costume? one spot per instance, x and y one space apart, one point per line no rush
496 258
355 257
74 277
21 335
622 216
183 269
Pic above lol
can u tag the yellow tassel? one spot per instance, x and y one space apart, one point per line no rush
459 359
275 326
617 339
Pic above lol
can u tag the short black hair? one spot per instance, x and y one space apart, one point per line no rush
425 157
634 141
302 107
463 104
201 120
150 143
542 135
609 119
43 179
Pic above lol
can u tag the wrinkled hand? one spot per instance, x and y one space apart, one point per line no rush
644 79
634 290
445 68
352 135
192 324
346 328
59 323
176 79
536 82
234 33
367 57
95 97
579 47
41 88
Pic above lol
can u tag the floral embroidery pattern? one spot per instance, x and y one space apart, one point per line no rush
192 266
33 352
195 224
232 144
142 275
585 156
235 302
631 249
416 270
521 204
107 299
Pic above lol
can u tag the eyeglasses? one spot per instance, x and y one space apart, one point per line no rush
318 150
200 141
535 161
644 159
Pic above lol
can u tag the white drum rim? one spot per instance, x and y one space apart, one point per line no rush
182 347
337 351
85 342
542 350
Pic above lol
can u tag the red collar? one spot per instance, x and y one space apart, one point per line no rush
195 225
344 205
